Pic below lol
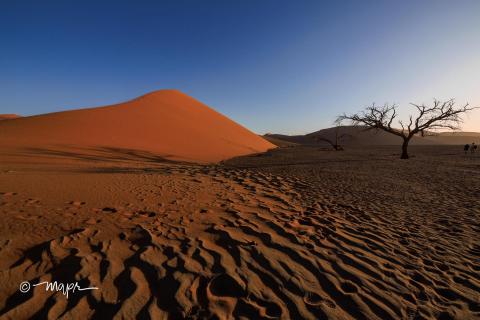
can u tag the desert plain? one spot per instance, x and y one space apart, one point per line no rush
296 232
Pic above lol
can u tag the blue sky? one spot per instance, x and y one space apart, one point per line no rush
273 66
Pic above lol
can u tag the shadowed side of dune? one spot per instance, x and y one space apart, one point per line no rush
359 135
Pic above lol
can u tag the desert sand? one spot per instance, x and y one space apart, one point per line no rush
7 116
162 125
294 233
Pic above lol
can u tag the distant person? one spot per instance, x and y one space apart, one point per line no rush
473 147
466 147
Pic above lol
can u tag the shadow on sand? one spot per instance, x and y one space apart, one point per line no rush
101 154
124 160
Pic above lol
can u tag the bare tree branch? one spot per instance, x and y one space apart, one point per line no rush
335 143
441 115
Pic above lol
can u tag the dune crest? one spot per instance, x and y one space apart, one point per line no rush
8 116
165 124
358 135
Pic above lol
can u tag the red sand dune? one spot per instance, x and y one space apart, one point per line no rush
163 124
8 116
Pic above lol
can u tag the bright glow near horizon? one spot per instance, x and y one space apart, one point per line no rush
273 66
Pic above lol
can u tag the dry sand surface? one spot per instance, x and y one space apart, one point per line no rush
165 125
8 116
295 233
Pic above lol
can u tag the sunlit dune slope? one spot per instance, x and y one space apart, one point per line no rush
165 124
8 116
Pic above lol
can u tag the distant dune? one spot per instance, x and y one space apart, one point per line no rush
9 116
359 136
165 124
279 142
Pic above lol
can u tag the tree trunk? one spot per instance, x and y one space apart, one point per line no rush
405 149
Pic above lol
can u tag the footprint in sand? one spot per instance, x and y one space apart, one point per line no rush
312 299
315 300
145 213
92 221
8 194
77 203
32 201
272 310
309 246
224 285
349 287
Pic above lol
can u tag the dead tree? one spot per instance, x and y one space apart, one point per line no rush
337 139
442 115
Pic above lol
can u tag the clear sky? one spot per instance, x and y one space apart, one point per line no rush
273 66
